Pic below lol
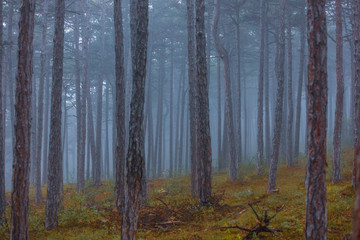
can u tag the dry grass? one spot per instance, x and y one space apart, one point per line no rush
172 214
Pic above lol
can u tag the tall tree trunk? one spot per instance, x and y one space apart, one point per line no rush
315 218
239 130
290 155
260 102
98 161
150 121
223 54
55 149
160 115
280 61
220 157
300 82
336 171
38 197
120 106
33 133
171 113
2 129
192 95
181 145
135 156
267 91
21 166
356 33
204 154
107 143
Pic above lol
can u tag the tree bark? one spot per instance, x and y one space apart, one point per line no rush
21 166
239 130
280 61
300 82
55 146
2 128
260 102
220 157
135 156
290 154
336 171
315 218
204 155
160 113
356 36
120 106
223 54
192 95
267 90
38 197
171 114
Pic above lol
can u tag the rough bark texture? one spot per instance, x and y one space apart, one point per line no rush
223 54
120 106
315 219
280 61
260 101
356 33
290 119
38 197
136 152
204 155
300 82
21 166
2 130
192 94
336 170
55 146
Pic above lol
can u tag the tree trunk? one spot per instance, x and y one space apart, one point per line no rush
336 171
135 156
267 90
192 95
38 197
2 129
106 153
171 113
356 35
300 82
239 130
120 107
150 121
98 161
260 102
160 115
315 219
21 166
55 149
204 155
290 97
280 61
220 157
181 145
223 54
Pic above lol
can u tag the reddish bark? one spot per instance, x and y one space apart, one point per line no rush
316 219
136 150
204 154
21 166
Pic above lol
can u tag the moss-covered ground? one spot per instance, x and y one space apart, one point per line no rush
93 216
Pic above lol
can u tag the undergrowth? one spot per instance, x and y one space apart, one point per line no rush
92 215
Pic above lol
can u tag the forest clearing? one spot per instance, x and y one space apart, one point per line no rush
93 215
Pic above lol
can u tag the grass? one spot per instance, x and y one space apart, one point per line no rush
92 215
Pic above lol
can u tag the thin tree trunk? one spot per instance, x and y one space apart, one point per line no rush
98 161
106 154
239 130
300 82
171 113
21 166
267 92
280 61
228 99
120 107
220 157
55 149
160 116
204 154
38 197
336 171
315 218
192 96
260 102
290 97
150 120
135 156
181 145
2 129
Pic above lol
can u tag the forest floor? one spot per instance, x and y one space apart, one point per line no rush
172 214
